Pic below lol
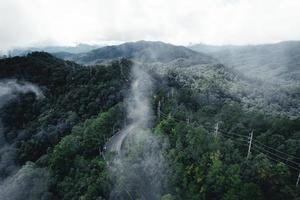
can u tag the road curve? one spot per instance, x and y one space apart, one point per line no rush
114 144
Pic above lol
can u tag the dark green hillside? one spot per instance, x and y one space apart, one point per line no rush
201 112
72 94
210 164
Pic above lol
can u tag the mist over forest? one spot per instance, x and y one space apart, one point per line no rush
148 120
150 100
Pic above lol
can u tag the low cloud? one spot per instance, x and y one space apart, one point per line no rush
22 23
28 181
139 169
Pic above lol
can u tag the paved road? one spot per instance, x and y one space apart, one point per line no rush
114 144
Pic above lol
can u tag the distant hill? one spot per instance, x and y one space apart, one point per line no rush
80 48
280 61
143 51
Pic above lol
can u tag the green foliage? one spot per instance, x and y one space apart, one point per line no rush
83 107
87 179
76 162
205 167
73 93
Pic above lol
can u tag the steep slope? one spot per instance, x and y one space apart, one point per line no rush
143 51
65 132
30 127
269 62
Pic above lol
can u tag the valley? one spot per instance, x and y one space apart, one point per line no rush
172 123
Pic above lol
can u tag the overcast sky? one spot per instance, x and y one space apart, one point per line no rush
67 22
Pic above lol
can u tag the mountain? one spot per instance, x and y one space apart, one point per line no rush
142 51
268 62
80 48
53 144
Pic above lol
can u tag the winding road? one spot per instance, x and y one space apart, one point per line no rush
114 144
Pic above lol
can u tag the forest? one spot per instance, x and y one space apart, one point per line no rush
53 145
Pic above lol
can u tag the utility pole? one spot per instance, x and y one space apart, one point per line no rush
216 130
121 70
250 144
298 179
158 109
187 120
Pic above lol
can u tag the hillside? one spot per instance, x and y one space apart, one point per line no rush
268 62
142 51
60 115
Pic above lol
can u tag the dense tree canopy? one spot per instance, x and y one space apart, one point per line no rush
65 132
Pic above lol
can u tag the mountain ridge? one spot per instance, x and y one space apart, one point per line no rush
79 48
274 62
143 51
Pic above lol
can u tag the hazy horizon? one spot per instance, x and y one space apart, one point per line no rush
100 45
221 22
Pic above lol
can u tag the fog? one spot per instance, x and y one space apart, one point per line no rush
69 22
139 167
9 89
28 181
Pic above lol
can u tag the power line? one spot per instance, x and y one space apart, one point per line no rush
262 149
256 141
239 139
271 158
277 150
240 142
236 141
252 146
250 142
259 150
230 133
248 138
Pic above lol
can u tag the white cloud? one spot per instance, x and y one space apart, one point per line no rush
178 21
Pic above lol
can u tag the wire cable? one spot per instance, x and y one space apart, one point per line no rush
295 157
268 156
243 136
239 139
262 149
271 158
